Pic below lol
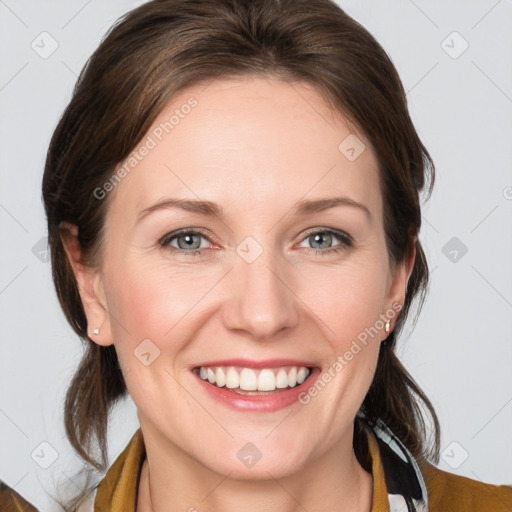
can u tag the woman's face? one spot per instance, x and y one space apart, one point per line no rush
264 277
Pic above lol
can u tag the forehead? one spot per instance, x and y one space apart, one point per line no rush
252 142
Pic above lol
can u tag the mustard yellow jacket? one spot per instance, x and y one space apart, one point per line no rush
443 491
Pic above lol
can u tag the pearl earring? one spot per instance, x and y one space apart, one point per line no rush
387 327
96 331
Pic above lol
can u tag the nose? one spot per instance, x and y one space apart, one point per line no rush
261 300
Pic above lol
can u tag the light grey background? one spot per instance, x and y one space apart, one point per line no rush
461 349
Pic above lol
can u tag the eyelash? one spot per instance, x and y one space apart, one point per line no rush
345 241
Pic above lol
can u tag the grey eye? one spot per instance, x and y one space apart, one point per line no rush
188 241
322 238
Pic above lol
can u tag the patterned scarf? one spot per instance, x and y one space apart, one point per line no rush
405 485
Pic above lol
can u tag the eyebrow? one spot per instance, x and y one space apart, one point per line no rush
211 209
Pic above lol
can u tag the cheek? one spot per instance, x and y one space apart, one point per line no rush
151 310
349 315
150 299
348 307
347 300
155 301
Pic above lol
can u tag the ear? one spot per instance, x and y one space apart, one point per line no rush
90 287
400 277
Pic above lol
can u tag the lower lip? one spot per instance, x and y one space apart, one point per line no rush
259 403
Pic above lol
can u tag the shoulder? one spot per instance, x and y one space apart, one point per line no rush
447 491
11 501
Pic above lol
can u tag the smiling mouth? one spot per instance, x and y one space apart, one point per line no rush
250 381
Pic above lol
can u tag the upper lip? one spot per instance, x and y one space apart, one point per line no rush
249 363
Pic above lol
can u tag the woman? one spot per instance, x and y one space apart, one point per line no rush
253 324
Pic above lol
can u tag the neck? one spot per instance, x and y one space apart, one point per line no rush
170 481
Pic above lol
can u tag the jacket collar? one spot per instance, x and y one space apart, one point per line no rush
398 484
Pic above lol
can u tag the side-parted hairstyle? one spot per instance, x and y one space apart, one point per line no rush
164 46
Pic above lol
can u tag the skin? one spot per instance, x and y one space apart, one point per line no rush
255 146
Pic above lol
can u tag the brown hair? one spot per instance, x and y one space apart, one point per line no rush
164 46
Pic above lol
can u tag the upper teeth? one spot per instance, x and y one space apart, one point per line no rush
247 379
